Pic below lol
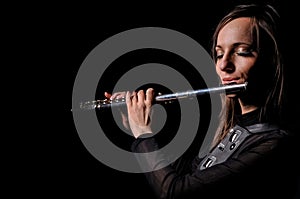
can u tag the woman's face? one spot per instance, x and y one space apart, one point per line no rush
235 53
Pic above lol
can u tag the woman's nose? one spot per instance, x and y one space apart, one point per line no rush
226 63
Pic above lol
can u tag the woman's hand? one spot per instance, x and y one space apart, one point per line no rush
139 111
124 116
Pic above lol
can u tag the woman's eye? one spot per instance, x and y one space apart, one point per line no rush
219 56
244 53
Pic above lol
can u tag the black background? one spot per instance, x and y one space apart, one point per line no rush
49 43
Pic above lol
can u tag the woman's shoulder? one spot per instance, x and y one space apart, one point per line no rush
267 138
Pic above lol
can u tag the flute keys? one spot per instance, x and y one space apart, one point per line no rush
118 100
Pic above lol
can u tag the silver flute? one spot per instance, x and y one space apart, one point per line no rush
166 98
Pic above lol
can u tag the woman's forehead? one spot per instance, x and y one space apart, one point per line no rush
236 31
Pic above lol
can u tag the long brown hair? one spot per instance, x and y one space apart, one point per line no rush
265 33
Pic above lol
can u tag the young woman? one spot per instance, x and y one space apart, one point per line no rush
251 155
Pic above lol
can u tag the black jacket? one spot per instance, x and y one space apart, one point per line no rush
263 166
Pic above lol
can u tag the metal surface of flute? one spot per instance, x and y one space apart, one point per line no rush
227 89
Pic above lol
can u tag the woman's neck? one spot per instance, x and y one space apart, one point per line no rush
246 108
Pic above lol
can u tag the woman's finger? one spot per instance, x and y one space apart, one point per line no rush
107 95
140 96
128 98
149 96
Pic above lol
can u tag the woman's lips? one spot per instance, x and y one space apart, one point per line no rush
230 80
230 83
